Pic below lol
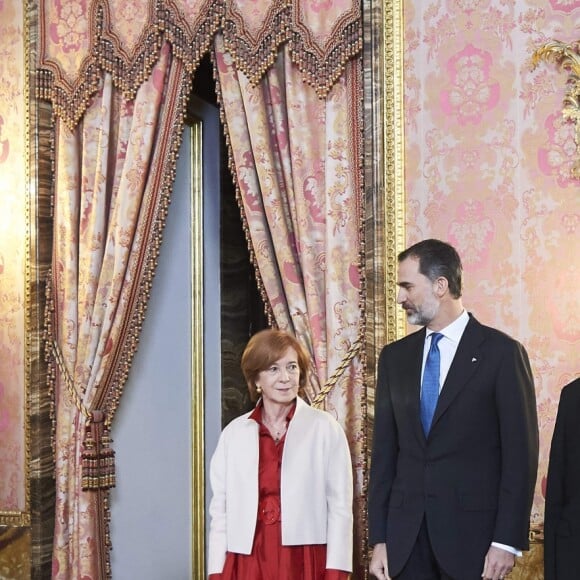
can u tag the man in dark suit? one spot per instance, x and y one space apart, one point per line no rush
562 521
452 477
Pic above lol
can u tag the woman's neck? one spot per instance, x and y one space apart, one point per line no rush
274 417
273 413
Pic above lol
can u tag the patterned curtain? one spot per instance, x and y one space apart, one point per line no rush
297 163
79 40
299 186
113 175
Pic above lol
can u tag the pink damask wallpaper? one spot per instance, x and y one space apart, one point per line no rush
488 160
12 257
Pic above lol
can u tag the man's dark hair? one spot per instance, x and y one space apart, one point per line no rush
437 259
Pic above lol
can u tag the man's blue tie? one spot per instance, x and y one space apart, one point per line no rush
430 386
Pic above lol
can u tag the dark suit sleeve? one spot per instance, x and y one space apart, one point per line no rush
383 457
518 424
554 490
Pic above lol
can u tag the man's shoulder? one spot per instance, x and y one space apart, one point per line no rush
497 336
571 391
406 342
494 335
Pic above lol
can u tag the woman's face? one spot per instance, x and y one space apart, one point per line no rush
280 382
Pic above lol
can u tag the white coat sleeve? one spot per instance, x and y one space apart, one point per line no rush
217 509
339 496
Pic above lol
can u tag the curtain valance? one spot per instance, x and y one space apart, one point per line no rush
80 40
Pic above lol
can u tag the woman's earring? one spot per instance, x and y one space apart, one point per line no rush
258 389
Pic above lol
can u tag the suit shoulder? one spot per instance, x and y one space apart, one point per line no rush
571 391
500 338
402 344
496 333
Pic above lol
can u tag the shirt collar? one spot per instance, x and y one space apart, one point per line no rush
453 331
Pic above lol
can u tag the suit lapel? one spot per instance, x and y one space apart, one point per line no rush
465 363
413 382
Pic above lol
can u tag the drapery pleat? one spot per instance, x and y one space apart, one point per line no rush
296 161
113 177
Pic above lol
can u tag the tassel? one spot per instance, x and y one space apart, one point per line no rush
98 457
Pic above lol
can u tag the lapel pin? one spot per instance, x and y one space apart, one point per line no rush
473 359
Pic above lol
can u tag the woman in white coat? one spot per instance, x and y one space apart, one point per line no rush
281 478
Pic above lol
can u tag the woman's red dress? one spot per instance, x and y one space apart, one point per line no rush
270 560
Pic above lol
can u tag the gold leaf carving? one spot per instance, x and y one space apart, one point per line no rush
567 57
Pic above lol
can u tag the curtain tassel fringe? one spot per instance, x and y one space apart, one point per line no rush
98 456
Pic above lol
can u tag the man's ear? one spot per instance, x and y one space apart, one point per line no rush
441 286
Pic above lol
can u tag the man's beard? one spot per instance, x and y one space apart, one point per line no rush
424 314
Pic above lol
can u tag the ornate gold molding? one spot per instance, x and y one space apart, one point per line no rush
384 175
21 517
197 354
567 56
394 139
384 189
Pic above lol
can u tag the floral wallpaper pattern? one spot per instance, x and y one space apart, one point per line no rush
12 258
488 160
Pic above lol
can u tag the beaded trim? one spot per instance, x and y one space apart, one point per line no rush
269 313
253 54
